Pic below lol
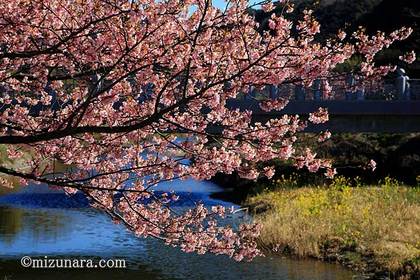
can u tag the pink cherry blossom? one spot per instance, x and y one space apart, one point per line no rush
321 116
268 7
324 136
269 171
331 172
408 57
371 165
129 94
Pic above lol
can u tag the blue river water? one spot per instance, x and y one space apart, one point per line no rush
38 222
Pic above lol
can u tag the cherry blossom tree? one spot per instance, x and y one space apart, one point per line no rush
128 93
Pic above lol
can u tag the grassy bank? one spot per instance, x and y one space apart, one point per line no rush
375 229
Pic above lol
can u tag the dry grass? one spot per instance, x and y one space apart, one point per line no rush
380 221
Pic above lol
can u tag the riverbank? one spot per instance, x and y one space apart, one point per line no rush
372 229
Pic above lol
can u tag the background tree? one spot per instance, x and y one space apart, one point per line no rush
126 93
373 15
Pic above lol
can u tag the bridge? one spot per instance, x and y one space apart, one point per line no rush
395 108
396 116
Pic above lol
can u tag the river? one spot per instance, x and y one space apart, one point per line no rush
37 222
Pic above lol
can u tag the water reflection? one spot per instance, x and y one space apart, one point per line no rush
10 223
76 232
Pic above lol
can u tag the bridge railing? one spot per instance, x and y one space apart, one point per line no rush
400 88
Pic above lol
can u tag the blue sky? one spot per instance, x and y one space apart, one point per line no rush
222 4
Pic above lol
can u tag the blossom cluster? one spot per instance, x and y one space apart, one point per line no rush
128 94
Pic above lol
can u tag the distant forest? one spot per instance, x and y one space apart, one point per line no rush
374 15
